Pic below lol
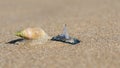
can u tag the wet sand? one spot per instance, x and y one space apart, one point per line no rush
95 22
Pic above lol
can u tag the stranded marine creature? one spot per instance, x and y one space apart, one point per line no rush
64 37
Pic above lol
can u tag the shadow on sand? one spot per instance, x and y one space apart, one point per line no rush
15 41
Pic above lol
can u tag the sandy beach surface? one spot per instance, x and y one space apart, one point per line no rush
95 22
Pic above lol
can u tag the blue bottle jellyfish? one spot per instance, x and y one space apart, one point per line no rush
64 37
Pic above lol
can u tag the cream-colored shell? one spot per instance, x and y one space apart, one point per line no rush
33 33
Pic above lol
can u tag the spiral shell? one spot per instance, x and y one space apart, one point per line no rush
32 34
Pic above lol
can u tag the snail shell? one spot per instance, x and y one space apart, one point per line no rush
32 34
